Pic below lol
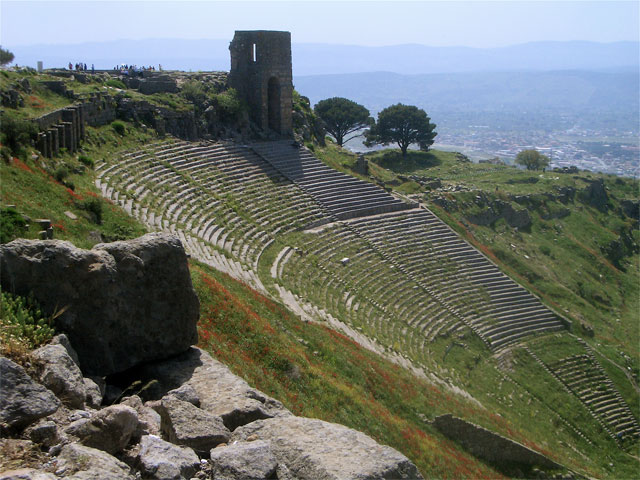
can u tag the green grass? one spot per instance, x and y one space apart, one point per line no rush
31 187
317 372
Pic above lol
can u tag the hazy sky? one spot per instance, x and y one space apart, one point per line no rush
442 23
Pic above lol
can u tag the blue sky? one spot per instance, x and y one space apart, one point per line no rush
443 23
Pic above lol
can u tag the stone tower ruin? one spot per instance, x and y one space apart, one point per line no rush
261 73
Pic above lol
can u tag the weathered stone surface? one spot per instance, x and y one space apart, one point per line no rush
186 393
148 419
164 461
596 195
93 393
489 445
221 393
44 433
318 450
63 340
26 474
243 461
60 374
185 424
22 401
79 462
109 429
122 298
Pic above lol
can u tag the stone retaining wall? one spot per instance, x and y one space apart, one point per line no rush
488 445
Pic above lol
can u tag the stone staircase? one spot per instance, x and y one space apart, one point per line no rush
341 195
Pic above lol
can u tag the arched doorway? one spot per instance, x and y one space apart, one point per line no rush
273 104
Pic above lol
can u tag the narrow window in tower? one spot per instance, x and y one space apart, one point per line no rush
253 52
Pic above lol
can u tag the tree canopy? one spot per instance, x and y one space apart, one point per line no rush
342 117
5 56
532 159
403 125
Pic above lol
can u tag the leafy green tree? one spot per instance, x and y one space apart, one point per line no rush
5 56
532 159
343 117
403 125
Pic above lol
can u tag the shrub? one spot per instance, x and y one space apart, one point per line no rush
16 133
22 320
115 83
193 91
85 160
11 224
94 207
118 127
228 106
61 173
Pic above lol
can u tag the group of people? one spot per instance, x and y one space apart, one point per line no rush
134 68
80 67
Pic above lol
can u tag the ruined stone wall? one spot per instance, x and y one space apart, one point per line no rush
261 72
489 445
65 128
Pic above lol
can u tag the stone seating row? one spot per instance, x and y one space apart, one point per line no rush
428 248
166 197
585 377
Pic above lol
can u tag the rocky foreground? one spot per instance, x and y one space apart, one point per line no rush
129 313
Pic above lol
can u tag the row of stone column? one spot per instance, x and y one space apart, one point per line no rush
65 134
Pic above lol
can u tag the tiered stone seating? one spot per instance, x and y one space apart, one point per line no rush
497 308
585 377
342 195
213 195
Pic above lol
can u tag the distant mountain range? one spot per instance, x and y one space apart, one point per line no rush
522 92
315 59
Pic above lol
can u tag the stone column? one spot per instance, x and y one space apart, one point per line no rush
42 144
55 144
62 141
70 138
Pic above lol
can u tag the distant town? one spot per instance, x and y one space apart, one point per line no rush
570 148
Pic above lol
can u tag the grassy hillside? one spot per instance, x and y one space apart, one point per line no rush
571 260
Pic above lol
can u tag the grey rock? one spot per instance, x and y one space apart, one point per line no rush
243 461
63 340
23 401
183 423
595 194
221 393
186 393
109 429
148 419
79 462
318 450
121 298
93 393
162 460
26 474
44 433
60 374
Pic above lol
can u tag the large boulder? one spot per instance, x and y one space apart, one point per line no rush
243 461
120 303
162 460
110 429
219 391
317 450
185 424
22 401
